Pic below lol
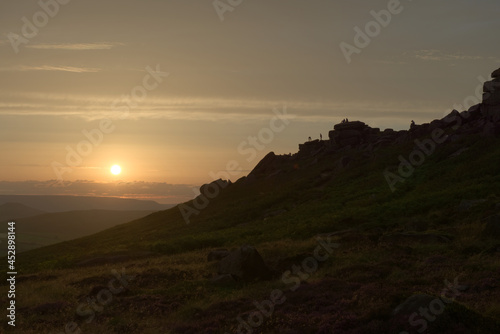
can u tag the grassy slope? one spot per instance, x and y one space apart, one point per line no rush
354 291
50 228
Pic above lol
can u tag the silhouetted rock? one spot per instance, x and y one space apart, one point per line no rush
244 264
269 165
496 73
491 97
349 133
212 189
311 148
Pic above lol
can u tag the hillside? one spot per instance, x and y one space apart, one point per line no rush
9 211
50 228
370 231
52 203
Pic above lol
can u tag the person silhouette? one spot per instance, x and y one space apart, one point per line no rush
320 136
309 138
412 124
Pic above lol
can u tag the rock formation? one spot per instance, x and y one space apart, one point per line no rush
491 97
482 119
244 264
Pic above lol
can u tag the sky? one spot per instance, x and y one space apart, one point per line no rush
181 92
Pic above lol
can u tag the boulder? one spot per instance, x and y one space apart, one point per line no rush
491 97
496 74
491 129
436 124
355 125
244 264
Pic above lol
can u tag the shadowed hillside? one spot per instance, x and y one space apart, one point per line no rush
71 203
50 228
10 211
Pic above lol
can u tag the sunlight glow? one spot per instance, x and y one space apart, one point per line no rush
116 170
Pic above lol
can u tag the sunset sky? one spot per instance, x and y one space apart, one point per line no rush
227 79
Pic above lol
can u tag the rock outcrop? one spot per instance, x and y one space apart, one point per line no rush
491 97
244 264
483 119
214 187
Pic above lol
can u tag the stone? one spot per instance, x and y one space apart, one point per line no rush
436 124
244 264
496 73
491 129
492 98
355 125
491 86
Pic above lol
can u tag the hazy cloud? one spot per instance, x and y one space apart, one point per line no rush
437 55
23 68
164 192
76 46
196 109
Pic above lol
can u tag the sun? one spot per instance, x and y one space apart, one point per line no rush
116 170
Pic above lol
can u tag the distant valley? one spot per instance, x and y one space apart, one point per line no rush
46 220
